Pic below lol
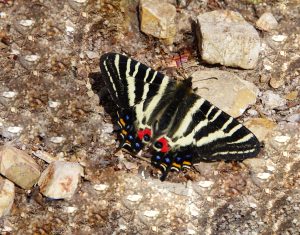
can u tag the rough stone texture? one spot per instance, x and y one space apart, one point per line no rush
272 100
60 179
7 195
267 22
115 197
224 37
19 167
225 90
158 19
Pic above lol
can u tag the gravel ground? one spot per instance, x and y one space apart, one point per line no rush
51 64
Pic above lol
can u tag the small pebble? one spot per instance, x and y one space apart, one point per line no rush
57 139
134 198
282 138
44 156
26 23
279 38
205 184
9 94
3 15
100 187
263 176
80 1
151 213
32 58
53 104
70 209
14 129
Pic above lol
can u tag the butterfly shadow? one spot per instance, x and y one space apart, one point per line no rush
99 87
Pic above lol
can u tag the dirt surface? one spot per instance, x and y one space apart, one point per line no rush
68 39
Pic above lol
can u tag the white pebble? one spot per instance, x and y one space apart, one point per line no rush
252 205
57 139
26 23
279 38
70 29
100 187
92 54
70 209
134 198
267 67
282 138
270 168
9 94
191 231
80 1
151 213
3 15
14 129
32 58
205 184
264 175
53 104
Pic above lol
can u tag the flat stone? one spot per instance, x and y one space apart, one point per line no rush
267 22
18 167
60 179
228 92
158 19
7 196
9 94
261 127
224 37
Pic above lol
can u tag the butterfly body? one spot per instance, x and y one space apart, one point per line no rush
180 127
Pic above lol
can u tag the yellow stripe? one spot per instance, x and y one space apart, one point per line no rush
187 163
176 165
122 121
124 132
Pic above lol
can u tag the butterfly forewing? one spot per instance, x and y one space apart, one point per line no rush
184 127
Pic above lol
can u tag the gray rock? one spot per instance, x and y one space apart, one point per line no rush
267 22
60 179
224 37
225 90
158 19
7 196
18 167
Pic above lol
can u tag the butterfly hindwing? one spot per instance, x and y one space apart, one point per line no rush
181 127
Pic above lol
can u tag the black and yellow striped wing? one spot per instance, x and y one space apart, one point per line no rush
181 127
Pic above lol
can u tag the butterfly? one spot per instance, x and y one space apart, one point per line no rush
179 127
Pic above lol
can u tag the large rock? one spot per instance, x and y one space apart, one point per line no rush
224 37
225 90
7 195
158 19
60 179
18 167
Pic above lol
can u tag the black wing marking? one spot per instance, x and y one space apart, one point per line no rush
126 79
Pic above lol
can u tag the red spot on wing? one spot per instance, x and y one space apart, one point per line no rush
142 132
165 146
